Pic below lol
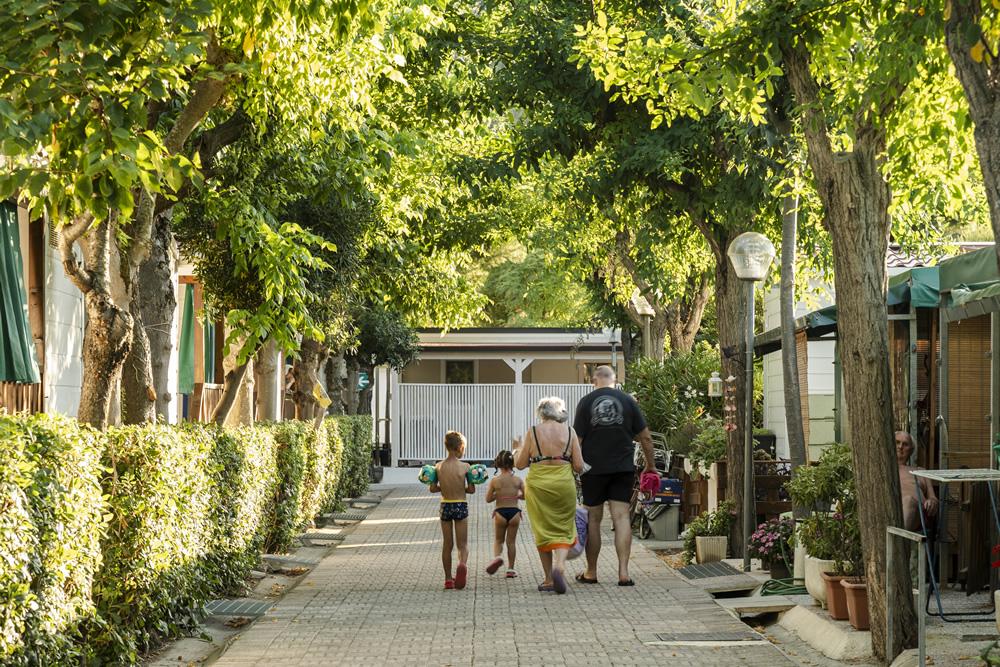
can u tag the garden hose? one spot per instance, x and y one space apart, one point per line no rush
784 587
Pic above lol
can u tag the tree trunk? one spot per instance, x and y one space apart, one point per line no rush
335 370
794 428
352 387
855 199
306 372
225 410
106 342
684 315
145 377
365 395
269 372
981 84
731 305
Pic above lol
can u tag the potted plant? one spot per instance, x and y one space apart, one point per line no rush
830 534
706 538
771 542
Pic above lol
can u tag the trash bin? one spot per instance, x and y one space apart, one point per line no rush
665 521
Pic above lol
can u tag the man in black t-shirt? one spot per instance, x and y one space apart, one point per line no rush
607 422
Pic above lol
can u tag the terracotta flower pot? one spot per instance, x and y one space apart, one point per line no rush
857 602
814 581
836 596
711 548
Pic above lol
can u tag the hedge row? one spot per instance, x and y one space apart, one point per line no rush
111 542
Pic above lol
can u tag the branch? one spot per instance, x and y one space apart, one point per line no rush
706 230
975 76
704 292
69 235
207 93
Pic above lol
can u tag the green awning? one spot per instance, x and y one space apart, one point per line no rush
919 286
17 352
973 269
816 325
185 375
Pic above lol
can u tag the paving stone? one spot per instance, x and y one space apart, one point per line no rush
379 599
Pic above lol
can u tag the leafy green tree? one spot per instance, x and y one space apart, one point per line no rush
877 115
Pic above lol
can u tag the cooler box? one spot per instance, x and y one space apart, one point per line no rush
670 492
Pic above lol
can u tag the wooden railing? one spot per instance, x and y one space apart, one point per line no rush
16 397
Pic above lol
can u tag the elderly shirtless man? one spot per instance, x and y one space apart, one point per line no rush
908 485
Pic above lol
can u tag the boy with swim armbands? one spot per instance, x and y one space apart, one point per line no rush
451 480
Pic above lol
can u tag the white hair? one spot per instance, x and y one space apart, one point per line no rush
552 408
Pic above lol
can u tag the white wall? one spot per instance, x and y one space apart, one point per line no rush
820 375
64 321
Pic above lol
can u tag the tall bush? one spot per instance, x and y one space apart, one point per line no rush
355 477
51 522
111 542
672 392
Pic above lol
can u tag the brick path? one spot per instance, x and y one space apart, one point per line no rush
379 599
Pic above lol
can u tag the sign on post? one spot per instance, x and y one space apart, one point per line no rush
363 381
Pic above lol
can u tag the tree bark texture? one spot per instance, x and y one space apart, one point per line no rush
312 355
856 198
106 342
226 409
145 377
351 388
335 371
269 371
794 428
365 395
981 84
730 300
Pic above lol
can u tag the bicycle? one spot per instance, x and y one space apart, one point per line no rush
639 502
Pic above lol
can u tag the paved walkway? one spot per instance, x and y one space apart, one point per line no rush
379 599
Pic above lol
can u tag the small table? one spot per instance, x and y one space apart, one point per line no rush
945 477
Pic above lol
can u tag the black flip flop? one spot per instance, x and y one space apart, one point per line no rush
584 579
627 582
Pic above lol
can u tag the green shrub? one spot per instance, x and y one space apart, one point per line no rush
111 543
832 531
706 524
355 476
297 443
671 393
156 571
709 445
51 522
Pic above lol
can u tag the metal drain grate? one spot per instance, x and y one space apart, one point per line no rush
238 607
707 637
707 570
346 516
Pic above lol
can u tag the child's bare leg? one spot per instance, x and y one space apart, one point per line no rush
446 546
499 531
546 557
511 539
462 540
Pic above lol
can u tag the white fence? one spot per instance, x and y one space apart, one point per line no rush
489 415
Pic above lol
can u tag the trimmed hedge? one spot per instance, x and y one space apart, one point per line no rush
356 432
51 522
111 542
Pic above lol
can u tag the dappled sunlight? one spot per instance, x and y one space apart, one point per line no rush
412 543
377 522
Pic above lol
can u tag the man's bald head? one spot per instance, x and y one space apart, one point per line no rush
904 446
604 376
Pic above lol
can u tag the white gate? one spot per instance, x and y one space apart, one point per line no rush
489 415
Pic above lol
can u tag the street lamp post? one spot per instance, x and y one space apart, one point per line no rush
751 254
646 312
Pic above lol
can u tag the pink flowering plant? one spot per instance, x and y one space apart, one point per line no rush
772 540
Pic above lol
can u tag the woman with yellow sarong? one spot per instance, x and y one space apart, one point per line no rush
552 451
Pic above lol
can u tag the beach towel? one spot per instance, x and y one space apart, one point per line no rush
550 498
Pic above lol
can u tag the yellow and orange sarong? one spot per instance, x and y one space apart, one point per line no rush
550 498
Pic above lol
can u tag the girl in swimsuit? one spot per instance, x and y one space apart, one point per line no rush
506 489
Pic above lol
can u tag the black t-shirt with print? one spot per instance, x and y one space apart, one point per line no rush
607 420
